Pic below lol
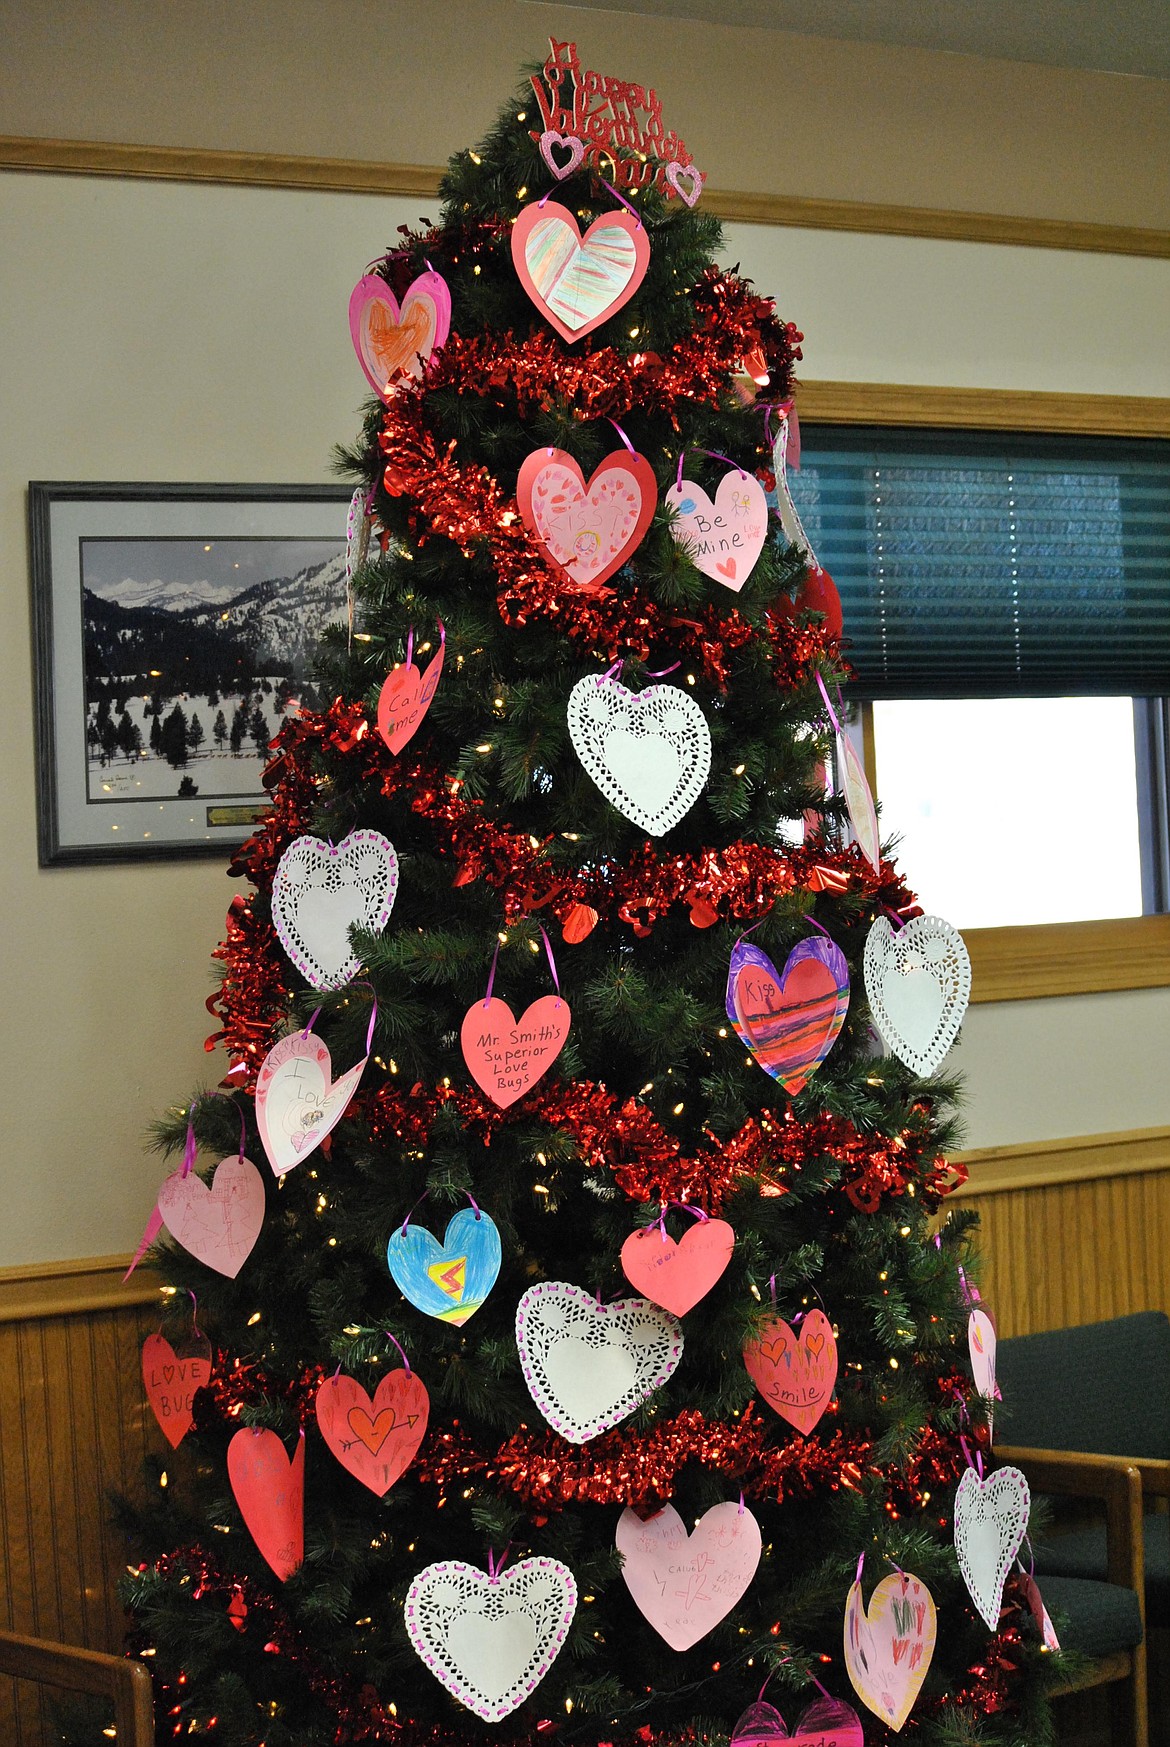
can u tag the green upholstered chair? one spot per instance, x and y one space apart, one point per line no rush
1078 1404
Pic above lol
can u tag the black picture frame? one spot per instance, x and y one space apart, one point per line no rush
135 606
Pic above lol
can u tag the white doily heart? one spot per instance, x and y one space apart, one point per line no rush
589 1365
918 981
649 752
991 1520
490 1640
322 890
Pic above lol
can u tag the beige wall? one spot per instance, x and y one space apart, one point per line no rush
761 110
157 331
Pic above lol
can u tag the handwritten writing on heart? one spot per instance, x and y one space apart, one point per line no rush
218 1221
575 281
297 1101
171 1381
490 1640
725 538
588 529
389 337
405 698
376 1440
505 1055
888 1650
685 1584
827 1722
991 1520
795 1375
270 1491
677 1275
789 1019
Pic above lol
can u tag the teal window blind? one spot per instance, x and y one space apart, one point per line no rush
976 564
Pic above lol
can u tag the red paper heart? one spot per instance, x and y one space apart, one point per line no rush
171 1380
794 1376
405 699
589 530
270 1491
677 1275
506 1056
376 1440
575 281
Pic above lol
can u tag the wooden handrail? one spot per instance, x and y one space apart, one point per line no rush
124 1681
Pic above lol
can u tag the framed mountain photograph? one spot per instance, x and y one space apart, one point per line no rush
174 628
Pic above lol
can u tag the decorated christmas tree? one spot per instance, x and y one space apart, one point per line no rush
562 1296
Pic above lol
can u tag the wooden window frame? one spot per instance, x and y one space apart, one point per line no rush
1054 958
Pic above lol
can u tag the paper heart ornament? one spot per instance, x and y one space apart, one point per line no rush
321 891
552 142
575 281
218 1221
270 1491
297 1101
789 1019
991 1520
918 981
171 1380
491 1640
685 1584
649 752
1040 1613
686 180
588 529
981 1346
506 1056
888 1649
794 1374
827 1722
448 1280
357 534
375 1440
722 539
589 1365
859 802
677 1275
389 337
405 698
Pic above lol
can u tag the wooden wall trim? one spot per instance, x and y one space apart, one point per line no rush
1069 958
1041 1164
90 1283
356 176
994 409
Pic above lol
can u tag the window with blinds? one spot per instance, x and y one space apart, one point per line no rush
975 564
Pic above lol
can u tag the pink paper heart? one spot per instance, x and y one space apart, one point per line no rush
576 281
218 1221
794 1375
388 337
827 1722
376 1440
677 1275
981 1345
588 529
888 1649
686 180
405 699
505 1055
551 141
297 1101
171 1380
270 1491
722 539
685 1584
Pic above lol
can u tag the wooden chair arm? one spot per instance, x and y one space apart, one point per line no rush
1111 1478
127 1683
